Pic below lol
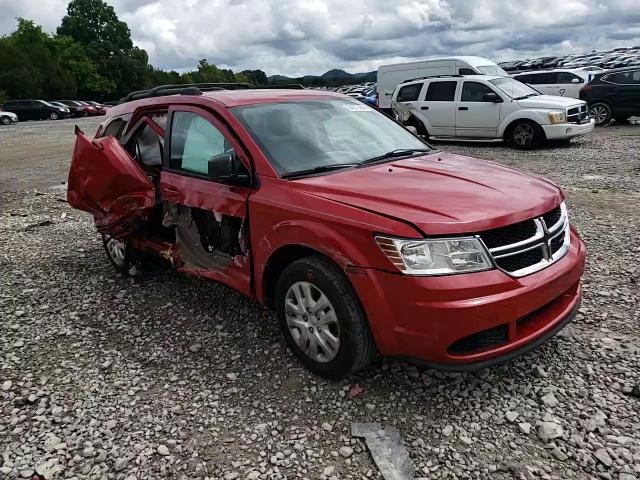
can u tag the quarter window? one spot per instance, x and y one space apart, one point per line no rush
194 140
441 91
467 71
474 92
409 93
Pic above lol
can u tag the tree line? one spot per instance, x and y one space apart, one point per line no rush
90 56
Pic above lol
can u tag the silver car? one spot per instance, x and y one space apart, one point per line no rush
7 118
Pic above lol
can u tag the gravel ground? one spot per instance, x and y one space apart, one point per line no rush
171 376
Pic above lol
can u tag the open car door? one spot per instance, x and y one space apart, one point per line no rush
107 182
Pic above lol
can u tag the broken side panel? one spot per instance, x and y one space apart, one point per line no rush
105 181
210 226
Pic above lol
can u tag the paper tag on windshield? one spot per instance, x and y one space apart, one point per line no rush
355 108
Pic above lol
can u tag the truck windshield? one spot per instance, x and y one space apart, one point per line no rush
514 88
315 134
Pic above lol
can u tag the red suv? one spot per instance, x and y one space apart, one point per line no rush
363 238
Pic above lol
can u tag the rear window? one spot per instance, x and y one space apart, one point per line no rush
409 93
441 91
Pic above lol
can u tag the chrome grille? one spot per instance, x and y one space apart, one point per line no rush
579 114
529 246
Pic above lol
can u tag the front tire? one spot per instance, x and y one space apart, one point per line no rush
601 113
322 320
119 253
525 135
54 116
5 120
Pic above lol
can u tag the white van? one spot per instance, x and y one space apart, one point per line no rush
390 76
561 82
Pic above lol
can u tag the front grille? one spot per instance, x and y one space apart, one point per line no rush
552 217
513 263
509 234
578 114
529 246
480 340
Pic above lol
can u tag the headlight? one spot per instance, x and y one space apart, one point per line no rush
440 256
557 117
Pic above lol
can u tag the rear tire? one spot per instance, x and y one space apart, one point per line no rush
601 112
322 320
525 134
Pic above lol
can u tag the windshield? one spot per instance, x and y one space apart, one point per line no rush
514 88
304 135
492 70
47 103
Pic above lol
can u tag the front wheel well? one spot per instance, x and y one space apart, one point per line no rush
507 131
277 262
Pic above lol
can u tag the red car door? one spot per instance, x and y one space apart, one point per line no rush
208 213
107 182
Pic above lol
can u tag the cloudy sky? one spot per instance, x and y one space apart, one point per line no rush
296 37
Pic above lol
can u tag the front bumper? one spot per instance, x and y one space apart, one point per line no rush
427 318
564 131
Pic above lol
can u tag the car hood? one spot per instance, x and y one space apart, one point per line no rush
549 101
441 193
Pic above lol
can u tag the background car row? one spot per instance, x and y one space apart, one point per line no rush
18 110
606 59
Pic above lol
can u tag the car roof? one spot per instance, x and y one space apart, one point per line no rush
453 77
229 98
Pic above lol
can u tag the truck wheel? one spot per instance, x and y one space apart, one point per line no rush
601 113
526 134
322 320
119 253
54 116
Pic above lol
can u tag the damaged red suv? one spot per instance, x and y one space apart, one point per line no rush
363 238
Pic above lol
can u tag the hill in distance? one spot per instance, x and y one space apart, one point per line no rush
334 77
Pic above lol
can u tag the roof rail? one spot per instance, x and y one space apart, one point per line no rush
198 88
433 76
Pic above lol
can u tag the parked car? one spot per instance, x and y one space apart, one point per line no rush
390 76
75 109
88 109
100 108
613 94
488 108
560 82
91 109
7 118
35 110
362 237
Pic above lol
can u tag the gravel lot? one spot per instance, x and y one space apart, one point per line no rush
170 376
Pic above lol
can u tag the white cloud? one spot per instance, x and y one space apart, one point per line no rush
297 37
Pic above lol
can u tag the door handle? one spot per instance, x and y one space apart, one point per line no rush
463 108
424 108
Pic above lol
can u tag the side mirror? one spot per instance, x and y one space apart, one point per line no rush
226 168
492 97
575 80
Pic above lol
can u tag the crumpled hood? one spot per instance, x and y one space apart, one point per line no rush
441 193
549 101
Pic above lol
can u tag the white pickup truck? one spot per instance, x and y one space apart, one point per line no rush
488 108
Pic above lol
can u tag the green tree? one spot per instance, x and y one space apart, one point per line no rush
107 42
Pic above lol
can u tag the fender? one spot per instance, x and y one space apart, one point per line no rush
341 248
540 116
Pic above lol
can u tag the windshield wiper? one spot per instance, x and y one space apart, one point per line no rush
319 169
398 152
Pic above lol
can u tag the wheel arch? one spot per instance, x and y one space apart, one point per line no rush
507 130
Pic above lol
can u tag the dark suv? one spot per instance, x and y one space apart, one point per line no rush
614 94
35 109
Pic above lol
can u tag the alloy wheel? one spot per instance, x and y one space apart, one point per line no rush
523 134
312 322
53 116
116 250
599 113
